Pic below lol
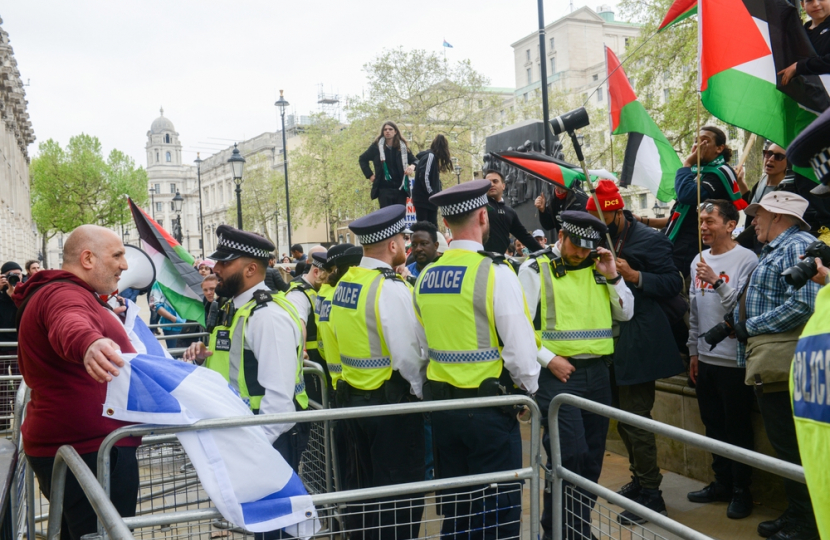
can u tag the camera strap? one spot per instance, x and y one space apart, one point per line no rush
742 298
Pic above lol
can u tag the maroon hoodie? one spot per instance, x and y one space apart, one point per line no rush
59 324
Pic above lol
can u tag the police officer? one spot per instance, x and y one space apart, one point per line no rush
302 292
257 345
480 339
572 297
381 349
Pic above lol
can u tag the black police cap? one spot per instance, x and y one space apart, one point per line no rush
582 228
318 260
812 149
234 243
343 255
380 224
462 198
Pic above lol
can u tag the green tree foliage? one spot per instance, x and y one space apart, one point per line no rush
326 183
75 185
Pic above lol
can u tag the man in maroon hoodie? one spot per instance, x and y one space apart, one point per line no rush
68 343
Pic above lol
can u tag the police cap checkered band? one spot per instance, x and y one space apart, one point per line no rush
581 231
318 260
232 245
380 236
464 206
821 164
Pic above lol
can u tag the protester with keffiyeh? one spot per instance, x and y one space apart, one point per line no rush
392 162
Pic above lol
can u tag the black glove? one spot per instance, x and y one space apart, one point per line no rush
741 333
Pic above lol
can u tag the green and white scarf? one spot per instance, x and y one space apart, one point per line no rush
404 160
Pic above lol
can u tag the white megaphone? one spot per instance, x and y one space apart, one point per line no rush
139 275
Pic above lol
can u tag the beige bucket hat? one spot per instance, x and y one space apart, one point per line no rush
782 202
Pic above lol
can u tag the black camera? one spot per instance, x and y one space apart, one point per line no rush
13 279
570 121
801 273
720 331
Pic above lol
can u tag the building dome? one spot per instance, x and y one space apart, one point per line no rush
161 124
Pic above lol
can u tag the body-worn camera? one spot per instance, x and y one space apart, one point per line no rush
801 273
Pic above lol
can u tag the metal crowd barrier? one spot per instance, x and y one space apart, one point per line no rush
559 474
193 516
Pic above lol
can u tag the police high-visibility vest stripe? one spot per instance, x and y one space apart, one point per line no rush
355 318
311 325
326 344
454 301
239 366
810 391
583 296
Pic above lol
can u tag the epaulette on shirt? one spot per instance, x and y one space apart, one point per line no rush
498 258
262 297
389 273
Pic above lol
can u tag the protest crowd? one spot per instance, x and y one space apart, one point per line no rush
596 302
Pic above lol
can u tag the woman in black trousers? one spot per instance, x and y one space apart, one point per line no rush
392 163
427 178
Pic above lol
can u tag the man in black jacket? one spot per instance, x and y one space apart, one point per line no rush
503 220
273 278
646 349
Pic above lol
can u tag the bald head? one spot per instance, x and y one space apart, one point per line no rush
315 276
96 255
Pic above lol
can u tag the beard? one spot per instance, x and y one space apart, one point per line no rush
230 286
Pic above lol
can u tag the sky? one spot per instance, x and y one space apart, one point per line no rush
105 67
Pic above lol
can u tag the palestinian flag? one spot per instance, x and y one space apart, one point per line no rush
743 45
650 160
543 167
679 11
179 281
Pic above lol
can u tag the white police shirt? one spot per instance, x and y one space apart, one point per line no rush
301 302
273 337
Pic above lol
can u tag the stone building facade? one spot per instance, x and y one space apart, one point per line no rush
18 239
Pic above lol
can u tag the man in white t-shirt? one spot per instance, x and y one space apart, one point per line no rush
725 401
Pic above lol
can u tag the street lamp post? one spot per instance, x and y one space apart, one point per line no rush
657 210
457 169
153 202
201 216
237 166
282 104
177 206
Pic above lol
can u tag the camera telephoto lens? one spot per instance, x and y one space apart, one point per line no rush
801 273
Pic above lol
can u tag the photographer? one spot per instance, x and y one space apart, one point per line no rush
769 319
724 400
11 276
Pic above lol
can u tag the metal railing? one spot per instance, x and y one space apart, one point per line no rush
334 498
68 458
559 474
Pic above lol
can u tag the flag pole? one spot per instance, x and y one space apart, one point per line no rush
697 210
745 154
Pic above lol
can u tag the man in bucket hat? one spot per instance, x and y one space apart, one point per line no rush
768 320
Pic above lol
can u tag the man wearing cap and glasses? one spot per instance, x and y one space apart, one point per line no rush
257 344
769 319
485 351
573 293
381 349
812 414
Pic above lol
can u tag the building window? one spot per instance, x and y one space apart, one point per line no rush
160 222
167 156
527 55
596 77
525 97
157 189
529 76
167 138
157 157
173 188
626 42
666 94
599 94
159 207
643 201
552 66
551 43
172 206
60 242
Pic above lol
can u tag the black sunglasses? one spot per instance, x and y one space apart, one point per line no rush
778 157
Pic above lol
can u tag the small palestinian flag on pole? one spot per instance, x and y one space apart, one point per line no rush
679 11
543 167
743 46
650 160
175 275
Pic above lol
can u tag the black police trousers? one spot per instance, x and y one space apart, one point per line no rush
389 450
78 516
581 441
477 441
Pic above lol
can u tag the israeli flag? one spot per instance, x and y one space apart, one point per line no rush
245 477
141 337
